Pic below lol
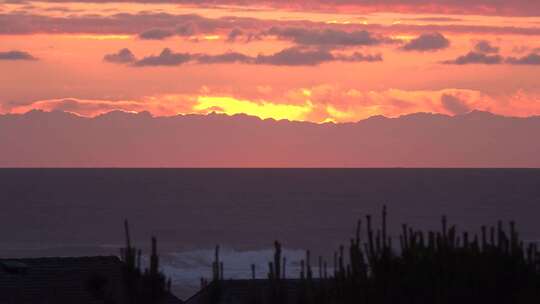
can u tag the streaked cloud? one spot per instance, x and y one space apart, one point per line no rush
436 19
122 23
301 31
478 7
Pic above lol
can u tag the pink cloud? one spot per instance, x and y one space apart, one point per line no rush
316 104
480 7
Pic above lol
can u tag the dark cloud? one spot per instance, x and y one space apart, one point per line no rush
485 53
166 58
525 49
478 7
237 34
202 25
427 42
15 1
124 56
190 24
234 34
123 23
486 47
75 106
295 56
435 19
531 59
359 57
459 28
231 57
62 9
16 55
187 29
454 105
476 58
156 34
169 58
326 37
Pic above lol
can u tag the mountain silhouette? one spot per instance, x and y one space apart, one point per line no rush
122 139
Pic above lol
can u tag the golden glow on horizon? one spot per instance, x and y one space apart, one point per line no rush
337 115
362 105
338 22
204 38
306 92
212 37
402 37
263 109
103 37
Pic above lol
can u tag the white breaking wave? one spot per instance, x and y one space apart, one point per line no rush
185 269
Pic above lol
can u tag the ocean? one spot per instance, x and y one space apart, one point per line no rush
77 212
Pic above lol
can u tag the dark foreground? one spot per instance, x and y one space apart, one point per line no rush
77 212
426 267
442 266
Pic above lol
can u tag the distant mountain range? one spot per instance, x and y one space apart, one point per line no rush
119 139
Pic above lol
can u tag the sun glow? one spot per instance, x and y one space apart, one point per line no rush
104 37
262 109
205 37
345 22
403 37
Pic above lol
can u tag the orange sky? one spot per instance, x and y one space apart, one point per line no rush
307 63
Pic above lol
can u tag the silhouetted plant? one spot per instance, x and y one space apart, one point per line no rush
435 267
146 287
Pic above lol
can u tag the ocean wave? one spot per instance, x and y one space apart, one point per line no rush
187 268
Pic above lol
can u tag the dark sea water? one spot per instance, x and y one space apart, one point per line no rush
63 212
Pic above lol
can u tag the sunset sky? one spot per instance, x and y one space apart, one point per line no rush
318 61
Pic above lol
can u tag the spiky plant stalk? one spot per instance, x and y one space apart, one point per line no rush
277 260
